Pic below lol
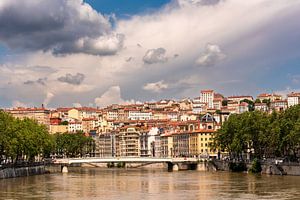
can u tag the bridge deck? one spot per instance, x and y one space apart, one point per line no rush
123 159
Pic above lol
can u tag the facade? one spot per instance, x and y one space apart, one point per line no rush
240 98
293 99
41 115
74 127
271 97
139 115
147 142
128 142
106 145
279 105
261 107
58 129
207 96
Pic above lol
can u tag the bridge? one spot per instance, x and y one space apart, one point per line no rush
172 162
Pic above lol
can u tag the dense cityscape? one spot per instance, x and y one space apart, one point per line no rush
167 128
151 99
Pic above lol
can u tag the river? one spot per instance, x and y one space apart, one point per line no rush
113 184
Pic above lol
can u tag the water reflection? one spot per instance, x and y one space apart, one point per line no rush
149 184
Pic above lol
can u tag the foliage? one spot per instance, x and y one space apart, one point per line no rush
257 101
73 145
64 123
250 104
237 167
224 102
23 140
255 166
26 141
261 135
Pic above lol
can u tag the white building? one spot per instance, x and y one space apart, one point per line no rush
139 115
73 127
261 107
293 99
279 105
112 114
207 96
198 106
239 98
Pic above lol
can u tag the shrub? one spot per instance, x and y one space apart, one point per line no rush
255 166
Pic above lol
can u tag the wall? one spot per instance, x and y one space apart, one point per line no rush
22 171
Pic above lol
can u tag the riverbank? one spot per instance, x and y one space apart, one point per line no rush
22 171
292 169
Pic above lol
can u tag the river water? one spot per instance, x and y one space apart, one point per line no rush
113 184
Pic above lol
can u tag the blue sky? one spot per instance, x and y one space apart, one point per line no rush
125 8
155 49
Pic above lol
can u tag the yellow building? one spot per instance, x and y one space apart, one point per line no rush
58 129
41 115
74 114
200 143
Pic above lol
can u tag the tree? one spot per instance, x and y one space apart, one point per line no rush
225 102
257 101
250 104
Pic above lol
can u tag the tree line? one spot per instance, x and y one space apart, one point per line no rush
261 135
24 140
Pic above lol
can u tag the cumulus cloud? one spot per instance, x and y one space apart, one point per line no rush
111 96
72 79
40 81
16 104
48 98
183 30
59 26
156 87
77 105
153 56
197 2
211 56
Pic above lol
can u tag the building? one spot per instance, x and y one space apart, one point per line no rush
74 127
41 115
240 98
293 99
261 107
207 96
106 145
278 105
147 142
271 97
139 115
199 106
128 142
200 143
58 129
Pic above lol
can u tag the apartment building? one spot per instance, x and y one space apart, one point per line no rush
41 115
293 99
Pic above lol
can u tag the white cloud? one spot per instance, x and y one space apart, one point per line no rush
156 87
111 96
246 39
211 56
153 56
48 98
17 103
77 105
58 26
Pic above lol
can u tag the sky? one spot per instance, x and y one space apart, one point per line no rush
99 52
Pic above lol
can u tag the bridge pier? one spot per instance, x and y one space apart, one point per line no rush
64 169
201 167
172 167
175 167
